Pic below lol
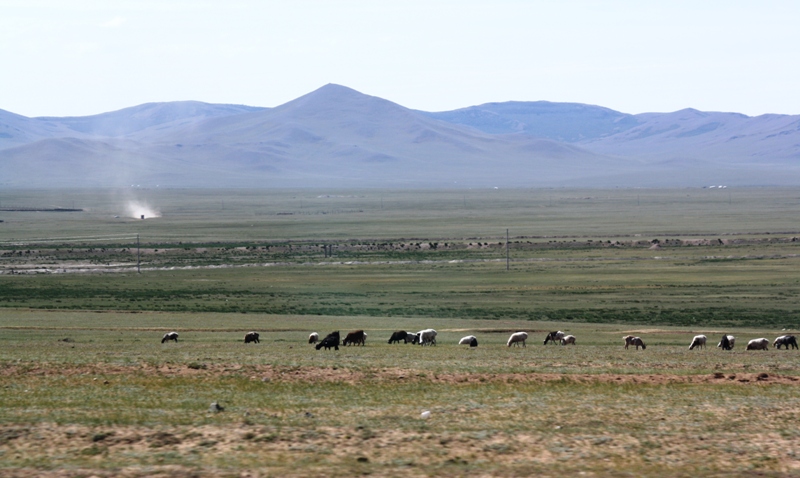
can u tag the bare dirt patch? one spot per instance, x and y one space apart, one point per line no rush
346 375
475 428
319 450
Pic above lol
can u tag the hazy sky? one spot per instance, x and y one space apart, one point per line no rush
80 57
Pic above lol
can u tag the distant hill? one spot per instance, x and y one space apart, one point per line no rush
680 135
567 122
16 130
149 116
338 137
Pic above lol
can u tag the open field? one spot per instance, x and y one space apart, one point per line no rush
249 216
98 392
88 389
757 292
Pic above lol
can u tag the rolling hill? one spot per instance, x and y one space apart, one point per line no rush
338 137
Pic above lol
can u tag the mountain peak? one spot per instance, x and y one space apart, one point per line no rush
336 99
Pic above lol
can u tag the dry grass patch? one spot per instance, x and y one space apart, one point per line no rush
147 420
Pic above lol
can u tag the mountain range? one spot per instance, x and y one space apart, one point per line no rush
338 137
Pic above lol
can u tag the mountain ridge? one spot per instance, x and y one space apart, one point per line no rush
338 137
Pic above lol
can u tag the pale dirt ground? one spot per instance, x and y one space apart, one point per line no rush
264 451
246 449
338 452
345 375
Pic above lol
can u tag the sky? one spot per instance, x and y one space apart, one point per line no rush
83 57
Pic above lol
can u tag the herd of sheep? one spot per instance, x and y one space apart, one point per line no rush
727 342
428 337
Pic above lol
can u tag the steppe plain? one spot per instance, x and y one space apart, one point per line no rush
88 389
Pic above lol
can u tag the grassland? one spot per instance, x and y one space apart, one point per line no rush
97 393
88 389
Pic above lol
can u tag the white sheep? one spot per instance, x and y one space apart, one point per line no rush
698 341
516 338
427 337
313 338
568 339
466 340
758 344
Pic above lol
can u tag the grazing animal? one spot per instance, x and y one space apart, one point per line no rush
355 338
554 336
517 338
398 336
791 340
568 339
758 344
628 340
330 340
786 340
473 342
251 337
313 338
726 342
635 341
466 340
413 338
427 337
170 336
698 341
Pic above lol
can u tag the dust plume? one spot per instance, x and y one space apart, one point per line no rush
137 210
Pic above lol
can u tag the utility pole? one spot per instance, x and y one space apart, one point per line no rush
507 255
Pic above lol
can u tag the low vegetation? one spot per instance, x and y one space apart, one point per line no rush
88 389
99 393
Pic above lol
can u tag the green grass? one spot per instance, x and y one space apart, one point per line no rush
728 258
87 387
124 339
244 216
759 292
112 397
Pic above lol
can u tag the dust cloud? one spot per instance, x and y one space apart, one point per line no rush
137 210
